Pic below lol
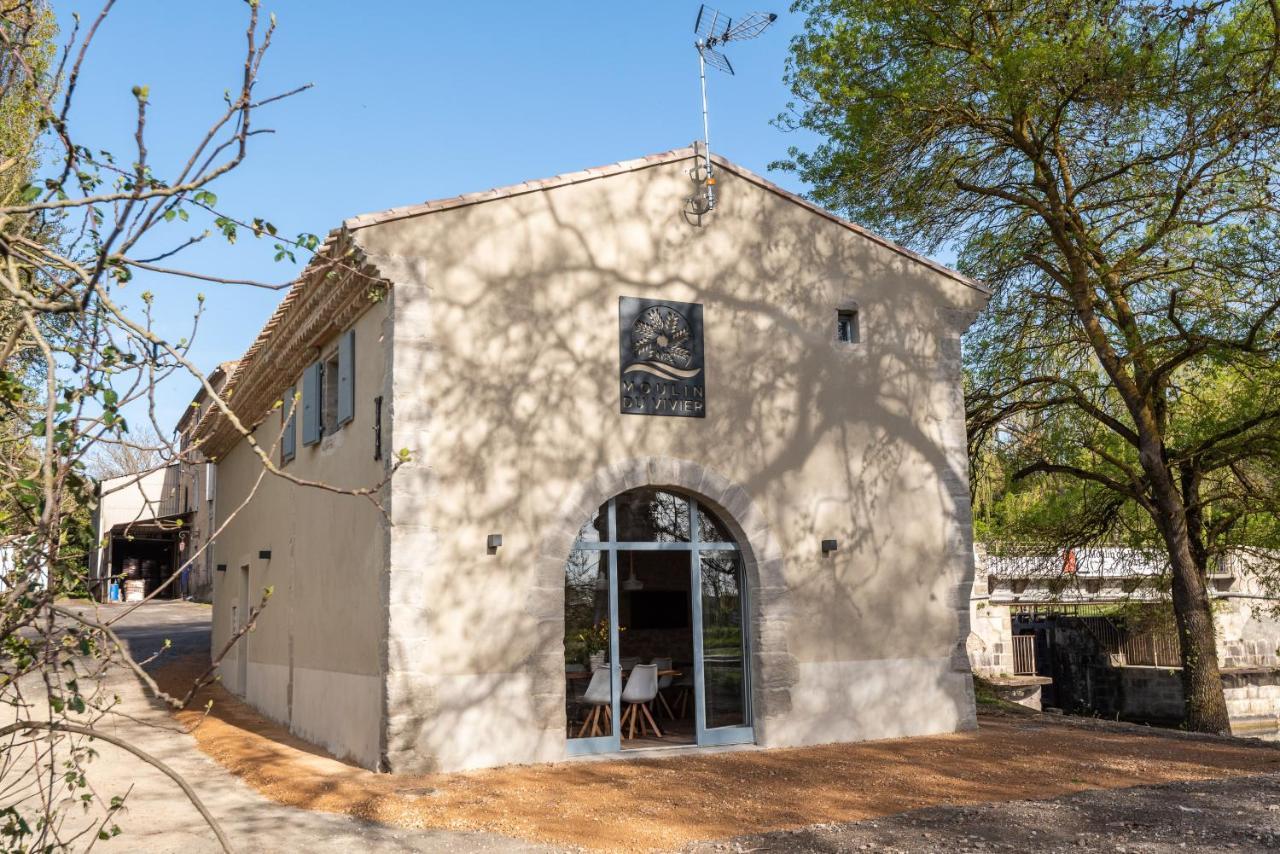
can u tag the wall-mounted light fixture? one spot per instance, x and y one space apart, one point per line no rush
493 543
828 546
265 554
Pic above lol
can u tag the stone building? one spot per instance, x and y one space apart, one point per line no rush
1064 618
712 459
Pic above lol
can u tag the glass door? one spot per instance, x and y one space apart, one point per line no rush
720 650
591 673
649 534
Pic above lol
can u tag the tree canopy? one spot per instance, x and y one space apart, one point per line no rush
1110 168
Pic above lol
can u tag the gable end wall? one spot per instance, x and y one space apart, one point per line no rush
505 391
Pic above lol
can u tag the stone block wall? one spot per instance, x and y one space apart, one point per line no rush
1249 653
1248 632
1253 701
990 640
1084 682
1150 694
1252 695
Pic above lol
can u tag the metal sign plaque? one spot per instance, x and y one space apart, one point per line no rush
661 360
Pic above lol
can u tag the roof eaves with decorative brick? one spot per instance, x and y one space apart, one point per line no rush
331 292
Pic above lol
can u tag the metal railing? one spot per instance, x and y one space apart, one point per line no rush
1024 655
1149 648
1155 649
1104 631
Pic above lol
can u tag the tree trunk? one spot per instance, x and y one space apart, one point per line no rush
1205 706
1190 477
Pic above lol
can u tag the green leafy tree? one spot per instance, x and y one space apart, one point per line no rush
27 37
1109 168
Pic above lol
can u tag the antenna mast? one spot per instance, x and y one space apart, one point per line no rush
712 30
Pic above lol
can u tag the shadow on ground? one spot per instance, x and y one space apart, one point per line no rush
1235 814
663 803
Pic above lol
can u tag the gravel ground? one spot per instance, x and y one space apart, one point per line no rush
910 795
1237 814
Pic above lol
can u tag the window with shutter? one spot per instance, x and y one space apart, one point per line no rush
329 394
311 404
346 377
289 439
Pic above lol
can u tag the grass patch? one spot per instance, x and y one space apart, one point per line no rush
988 698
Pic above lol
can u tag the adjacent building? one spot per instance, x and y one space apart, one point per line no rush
152 528
139 534
614 458
1091 631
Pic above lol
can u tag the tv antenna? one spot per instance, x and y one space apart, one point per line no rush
714 30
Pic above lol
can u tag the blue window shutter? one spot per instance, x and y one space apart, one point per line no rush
311 404
289 439
347 376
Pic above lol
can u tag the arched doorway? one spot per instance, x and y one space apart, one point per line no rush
656 634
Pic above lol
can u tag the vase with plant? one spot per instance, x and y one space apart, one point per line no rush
595 643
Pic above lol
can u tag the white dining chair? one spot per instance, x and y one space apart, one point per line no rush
599 695
640 690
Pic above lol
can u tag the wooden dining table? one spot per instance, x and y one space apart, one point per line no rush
586 674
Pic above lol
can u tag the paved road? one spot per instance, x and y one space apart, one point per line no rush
160 819
184 624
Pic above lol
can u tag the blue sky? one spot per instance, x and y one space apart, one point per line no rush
411 101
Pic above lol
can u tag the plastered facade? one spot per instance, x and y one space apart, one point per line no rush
506 389
312 662
500 337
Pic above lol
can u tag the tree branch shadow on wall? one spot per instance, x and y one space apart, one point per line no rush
531 410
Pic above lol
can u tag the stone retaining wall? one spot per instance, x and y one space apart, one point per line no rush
1253 700
1155 694
1150 694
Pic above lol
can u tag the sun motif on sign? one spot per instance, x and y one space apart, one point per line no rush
661 334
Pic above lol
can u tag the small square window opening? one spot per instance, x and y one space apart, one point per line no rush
847 331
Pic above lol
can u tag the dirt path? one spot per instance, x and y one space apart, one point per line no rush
667 803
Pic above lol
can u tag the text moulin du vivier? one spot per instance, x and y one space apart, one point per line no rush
662 397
